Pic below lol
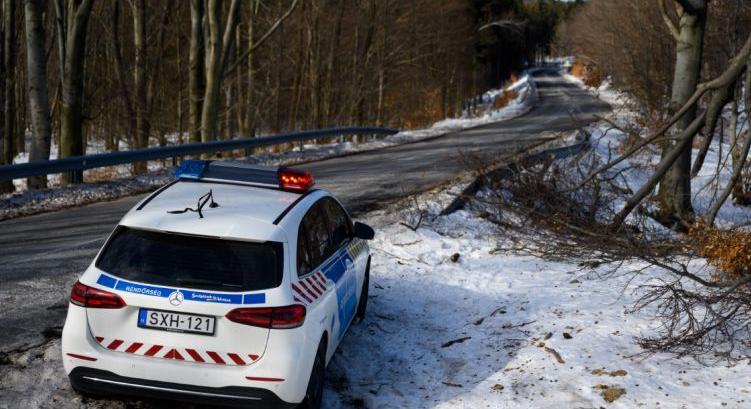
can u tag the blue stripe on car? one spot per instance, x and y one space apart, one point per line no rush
107 281
190 295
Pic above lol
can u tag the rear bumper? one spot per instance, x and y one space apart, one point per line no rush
286 363
100 382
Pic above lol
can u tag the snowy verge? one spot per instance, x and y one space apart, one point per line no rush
608 142
455 322
118 184
526 90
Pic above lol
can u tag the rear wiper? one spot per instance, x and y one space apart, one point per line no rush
204 282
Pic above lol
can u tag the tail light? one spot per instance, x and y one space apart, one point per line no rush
89 297
295 180
291 316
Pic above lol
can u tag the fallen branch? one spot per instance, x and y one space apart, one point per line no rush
454 341
555 354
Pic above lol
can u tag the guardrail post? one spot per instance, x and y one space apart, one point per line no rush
74 178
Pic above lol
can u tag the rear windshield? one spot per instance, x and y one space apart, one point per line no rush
190 261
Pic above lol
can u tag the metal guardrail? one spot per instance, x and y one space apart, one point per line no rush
22 170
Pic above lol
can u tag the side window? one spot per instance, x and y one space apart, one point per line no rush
316 231
339 223
304 262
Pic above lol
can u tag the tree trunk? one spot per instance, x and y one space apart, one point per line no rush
740 191
139 81
76 18
36 65
216 62
250 119
196 75
675 188
122 82
8 75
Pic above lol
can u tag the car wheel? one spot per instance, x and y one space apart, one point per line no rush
362 306
314 392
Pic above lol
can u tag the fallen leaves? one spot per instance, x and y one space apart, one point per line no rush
609 393
603 371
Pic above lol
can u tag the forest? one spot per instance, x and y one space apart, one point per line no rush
128 74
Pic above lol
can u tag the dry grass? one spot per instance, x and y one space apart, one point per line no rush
591 75
505 98
577 69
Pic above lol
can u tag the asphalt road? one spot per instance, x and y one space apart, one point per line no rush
41 255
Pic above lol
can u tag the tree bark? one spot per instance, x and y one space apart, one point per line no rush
8 79
196 74
75 22
741 194
140 81
36 65
122 82
216 62
674 193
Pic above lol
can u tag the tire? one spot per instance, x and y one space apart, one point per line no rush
314 392
362 306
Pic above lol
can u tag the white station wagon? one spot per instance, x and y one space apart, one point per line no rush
232 285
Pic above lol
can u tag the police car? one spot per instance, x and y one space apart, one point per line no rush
232 285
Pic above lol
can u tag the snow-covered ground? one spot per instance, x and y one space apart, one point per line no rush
526 93
115 181
607 143
455 322
526 332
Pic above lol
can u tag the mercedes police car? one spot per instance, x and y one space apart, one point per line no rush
232 285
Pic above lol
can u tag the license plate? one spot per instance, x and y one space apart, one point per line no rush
176 322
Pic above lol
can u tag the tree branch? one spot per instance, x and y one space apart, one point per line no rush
737 169
672 28
721 98
729 76
229 32
684 140
263 38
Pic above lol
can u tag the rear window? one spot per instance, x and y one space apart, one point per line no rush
192 261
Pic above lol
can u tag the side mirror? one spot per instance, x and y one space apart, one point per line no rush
363 231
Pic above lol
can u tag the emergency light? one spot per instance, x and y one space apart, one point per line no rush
284 178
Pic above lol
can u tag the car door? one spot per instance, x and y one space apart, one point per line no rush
340 237
322 248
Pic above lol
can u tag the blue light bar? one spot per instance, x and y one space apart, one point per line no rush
236 172
191 169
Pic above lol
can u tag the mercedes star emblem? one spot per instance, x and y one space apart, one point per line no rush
176 298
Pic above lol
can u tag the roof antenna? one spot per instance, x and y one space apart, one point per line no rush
201 203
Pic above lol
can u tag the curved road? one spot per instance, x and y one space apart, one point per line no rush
43 254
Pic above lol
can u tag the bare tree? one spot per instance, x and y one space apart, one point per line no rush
674 193
140 80
72 23
36 65
216 62
196 75
7 88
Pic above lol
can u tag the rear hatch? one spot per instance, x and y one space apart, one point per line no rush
178 290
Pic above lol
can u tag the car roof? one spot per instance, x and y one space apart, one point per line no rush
244 212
